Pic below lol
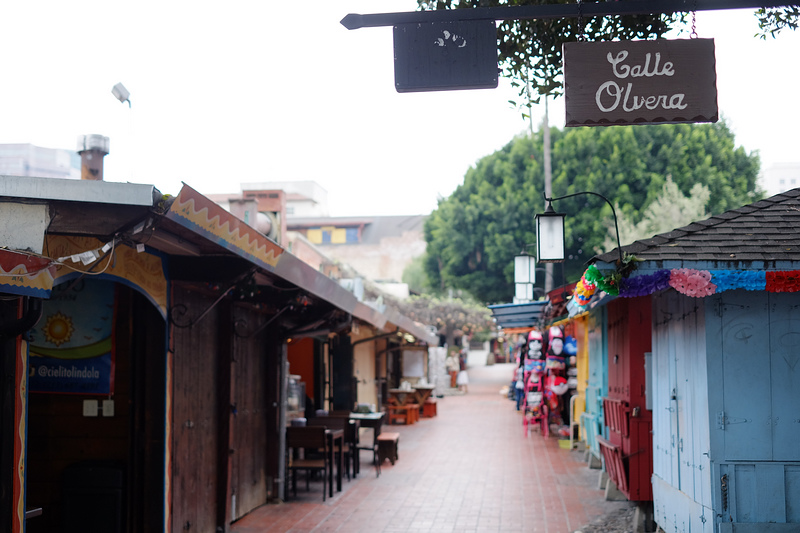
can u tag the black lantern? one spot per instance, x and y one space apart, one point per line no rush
550 244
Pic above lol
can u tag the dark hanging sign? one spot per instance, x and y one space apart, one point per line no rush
443 56
640 82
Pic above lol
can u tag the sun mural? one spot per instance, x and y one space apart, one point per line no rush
58 329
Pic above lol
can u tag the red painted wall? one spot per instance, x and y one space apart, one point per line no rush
301 361
629 337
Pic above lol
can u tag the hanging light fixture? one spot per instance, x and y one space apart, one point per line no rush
524 276
524 268
523 292
550 242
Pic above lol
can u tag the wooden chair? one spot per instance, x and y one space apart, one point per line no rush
298 439
370 443
348 449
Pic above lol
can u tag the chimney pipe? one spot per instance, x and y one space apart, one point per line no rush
92 149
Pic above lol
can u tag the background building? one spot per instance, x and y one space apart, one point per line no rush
780 177
29 160
375 248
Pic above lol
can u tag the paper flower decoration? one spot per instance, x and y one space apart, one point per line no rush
592 275
786 281
644 285
691 282
583 292
727 280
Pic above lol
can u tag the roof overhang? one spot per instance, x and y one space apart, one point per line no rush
100 192
193 223
525 315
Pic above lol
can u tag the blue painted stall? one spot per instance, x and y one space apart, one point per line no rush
725 378
597 388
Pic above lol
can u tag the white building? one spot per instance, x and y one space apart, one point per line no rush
780 177
35 161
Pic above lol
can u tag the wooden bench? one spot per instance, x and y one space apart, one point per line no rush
429 408
412 414
387 447
397 413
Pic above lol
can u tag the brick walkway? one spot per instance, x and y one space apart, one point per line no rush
470 469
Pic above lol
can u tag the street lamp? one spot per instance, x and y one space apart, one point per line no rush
550 242
550 230
121 93
524 275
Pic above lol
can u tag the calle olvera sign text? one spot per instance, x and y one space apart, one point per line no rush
640 82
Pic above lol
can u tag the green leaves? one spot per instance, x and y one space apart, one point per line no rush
774 20
474 234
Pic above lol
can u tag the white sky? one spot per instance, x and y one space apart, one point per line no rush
240 92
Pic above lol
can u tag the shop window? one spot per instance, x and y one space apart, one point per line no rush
339 236
314 236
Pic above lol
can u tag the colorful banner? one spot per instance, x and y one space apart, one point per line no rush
196 212
72 350
25 274
142 271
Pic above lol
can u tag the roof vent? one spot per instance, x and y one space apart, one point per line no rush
92 149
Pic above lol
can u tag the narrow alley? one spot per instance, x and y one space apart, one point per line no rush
470 469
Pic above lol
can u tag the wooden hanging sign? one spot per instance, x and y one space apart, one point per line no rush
640 82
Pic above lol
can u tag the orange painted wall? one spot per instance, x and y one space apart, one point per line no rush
301 361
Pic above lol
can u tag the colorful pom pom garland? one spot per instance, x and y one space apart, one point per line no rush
688 281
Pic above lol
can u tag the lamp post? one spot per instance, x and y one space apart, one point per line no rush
121 93
550 230
525 276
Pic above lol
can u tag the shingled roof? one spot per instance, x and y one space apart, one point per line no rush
767 230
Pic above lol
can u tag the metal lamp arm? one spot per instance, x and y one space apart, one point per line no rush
613 212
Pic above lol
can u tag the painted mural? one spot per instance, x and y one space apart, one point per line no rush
71 348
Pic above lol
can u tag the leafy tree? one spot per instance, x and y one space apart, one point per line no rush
414 275
448 315
668 211
474 234
772 21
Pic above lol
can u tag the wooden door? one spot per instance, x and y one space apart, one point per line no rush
195 418
248 421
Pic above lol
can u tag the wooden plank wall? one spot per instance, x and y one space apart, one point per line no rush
195 420
248 421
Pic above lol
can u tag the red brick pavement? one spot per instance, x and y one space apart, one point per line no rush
470 469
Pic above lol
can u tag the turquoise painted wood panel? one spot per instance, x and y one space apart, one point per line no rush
758 493
680 420
598 364
784 349
744 421
663 379
792 476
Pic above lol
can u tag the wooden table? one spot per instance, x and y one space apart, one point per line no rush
401 396
374 421
422 393
335 435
